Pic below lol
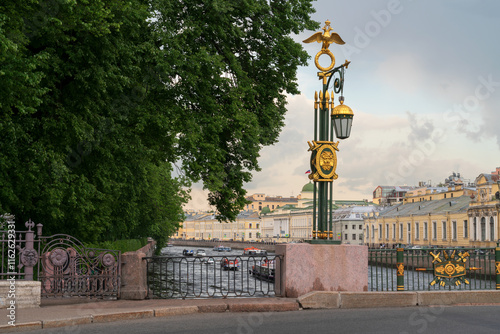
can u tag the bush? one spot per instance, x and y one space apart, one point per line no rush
127 245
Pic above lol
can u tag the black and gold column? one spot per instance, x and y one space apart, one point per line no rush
328 121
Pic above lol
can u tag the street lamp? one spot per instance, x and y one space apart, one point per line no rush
342 120
328 121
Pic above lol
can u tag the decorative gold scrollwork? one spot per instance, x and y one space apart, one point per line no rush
401 269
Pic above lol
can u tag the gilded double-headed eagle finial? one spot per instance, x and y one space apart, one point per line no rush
325 37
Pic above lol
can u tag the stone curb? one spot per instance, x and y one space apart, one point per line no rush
270 307
156 312
67 322
21 327
169 311
122 316
336 299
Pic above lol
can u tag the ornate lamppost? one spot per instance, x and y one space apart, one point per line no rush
328 121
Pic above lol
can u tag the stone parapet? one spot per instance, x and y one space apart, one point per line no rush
312 267
134 272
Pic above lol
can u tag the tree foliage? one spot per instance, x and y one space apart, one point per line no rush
99 100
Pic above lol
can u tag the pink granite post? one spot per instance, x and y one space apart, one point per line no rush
134 272
307 268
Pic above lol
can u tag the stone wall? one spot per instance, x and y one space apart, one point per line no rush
134 272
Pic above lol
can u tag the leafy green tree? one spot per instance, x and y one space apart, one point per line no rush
99 99
231 64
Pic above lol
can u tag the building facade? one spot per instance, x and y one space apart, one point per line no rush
451 216
348 223
388 195
437 222
260 201
484 211
204 226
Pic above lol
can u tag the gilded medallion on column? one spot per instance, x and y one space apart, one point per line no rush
323 160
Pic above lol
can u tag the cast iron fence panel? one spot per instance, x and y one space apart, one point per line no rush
63 265
212 276
413 270
68 268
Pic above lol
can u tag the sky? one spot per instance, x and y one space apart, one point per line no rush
424 86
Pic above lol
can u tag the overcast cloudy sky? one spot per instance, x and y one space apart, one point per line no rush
424 85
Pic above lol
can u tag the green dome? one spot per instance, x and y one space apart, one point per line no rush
309 187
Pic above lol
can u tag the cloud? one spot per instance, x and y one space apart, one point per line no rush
403 73
414 91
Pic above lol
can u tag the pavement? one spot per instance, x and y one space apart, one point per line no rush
71 312
74 311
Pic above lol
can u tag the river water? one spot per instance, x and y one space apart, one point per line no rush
177 276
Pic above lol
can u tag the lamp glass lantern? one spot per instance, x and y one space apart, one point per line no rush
342 117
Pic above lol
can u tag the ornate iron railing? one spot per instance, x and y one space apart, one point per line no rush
63 265
68 268
419 269
212 276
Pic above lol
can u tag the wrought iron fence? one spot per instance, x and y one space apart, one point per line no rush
63 265
68 268
418 269
212 276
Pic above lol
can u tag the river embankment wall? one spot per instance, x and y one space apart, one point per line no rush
268 246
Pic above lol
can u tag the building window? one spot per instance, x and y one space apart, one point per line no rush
474 227
360 227
492 229
345 236
483 229
466 229
400 231
444 230
426 231
393 231
408 231
380 231
434 231
373 231
345 227
387 231
250 225
354 237
249 234
454 230
417 231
